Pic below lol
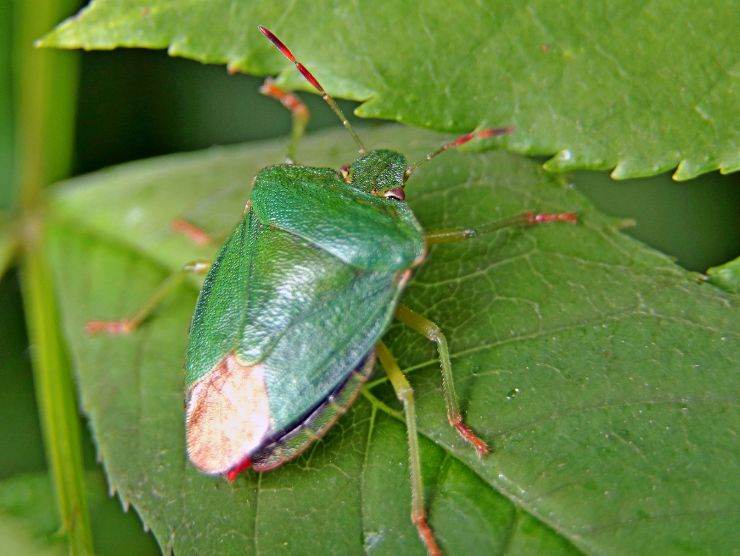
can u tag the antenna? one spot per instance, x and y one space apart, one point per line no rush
285 51
482 134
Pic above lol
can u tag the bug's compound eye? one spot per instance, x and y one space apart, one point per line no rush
396 193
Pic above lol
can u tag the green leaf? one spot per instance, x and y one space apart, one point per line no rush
603 374
17 541
27 513
639 87
726 276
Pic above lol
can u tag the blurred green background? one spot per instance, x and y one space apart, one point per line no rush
134 104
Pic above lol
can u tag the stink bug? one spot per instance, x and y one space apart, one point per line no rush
289 321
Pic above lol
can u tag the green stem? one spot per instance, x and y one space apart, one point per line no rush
44 101
56 400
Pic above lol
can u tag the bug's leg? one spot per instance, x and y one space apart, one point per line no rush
406 395
298 111
195 234
524 219
431 331
458 142
128 325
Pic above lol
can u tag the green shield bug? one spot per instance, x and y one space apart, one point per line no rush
289 321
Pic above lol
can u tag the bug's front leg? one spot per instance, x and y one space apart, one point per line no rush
128 325
298 111
405 394
433 332
525 219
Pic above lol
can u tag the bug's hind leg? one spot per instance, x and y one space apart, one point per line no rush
129 324
298 111
432 332
405 394
524 219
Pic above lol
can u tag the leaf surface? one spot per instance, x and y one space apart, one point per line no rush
603 374
637 86
28 519
28 516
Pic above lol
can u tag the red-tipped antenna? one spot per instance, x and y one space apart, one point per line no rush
482 134
285 51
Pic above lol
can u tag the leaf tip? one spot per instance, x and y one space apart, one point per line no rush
621 171
560 161
726 276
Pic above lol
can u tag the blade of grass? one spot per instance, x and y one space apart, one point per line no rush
44 102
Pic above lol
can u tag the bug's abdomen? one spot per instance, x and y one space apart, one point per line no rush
292 443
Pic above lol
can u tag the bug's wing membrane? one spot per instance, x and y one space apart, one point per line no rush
227 416
293 442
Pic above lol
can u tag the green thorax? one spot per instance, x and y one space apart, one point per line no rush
353 221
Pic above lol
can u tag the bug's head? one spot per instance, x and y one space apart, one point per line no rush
381 172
